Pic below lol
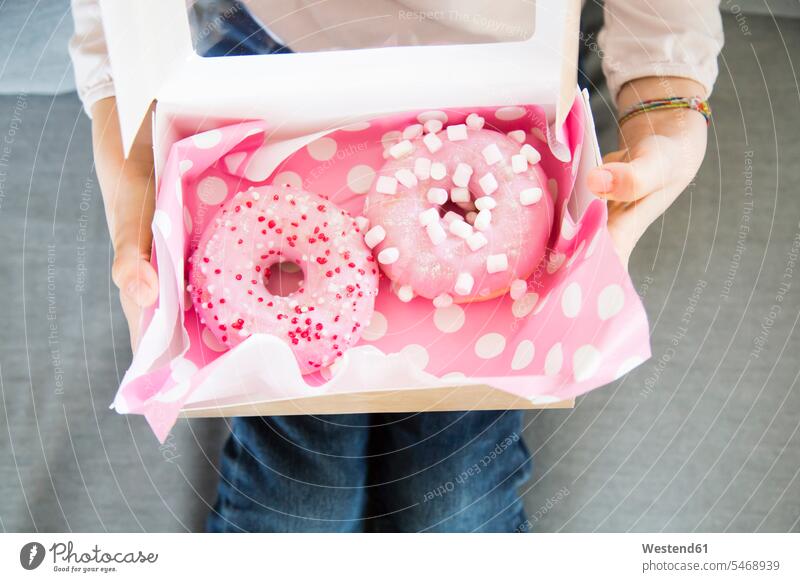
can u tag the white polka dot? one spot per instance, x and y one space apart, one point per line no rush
449 319
212 190
538 134
490 346
233 161
568 229
187 220
571 300
212 342
554 360
628 365
359 178
509 113
524 305
585 362
592 245
163 223
555 261
207 139
179 191
417 355
453 376
540 305
292 179
428 115
523 355
357 126
182 369
322 149
552 185
185 166
610 301
390 138
377 327
545 399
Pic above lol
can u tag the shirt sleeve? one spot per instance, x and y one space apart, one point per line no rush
676 38
87 48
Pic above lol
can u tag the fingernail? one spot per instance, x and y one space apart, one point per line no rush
606 180
138 291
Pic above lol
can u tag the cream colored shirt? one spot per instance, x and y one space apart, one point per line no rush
640 38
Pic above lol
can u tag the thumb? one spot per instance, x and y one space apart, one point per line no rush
632 174
133 273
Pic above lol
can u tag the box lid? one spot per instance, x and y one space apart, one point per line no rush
152 58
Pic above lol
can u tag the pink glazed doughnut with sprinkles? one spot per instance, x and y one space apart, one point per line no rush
459 214
261 227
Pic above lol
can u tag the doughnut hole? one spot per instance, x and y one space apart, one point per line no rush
283 278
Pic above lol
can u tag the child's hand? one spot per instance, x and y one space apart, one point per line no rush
660 153
128 195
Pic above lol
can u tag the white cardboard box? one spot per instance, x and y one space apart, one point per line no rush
302 94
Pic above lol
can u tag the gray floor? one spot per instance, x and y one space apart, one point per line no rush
702 437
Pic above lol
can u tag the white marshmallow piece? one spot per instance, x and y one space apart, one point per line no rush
362 222
422 168
497 263
464 284
438 170
386 185
450 216
492 154
412 131
388 256
475 121
477 241
443 300
406 177
405 293
436 233
518 289
457 132
433 126
517 135
374 236
530 196
488 184
437 196
486 203
432 142
519 163
459 195
483 220
462 175
428 216
401 149
531 154
461 229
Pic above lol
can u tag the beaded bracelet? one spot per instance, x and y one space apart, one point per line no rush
693 103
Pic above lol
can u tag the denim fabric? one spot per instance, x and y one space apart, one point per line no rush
435 471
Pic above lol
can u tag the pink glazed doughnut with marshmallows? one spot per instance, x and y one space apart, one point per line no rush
267 225
459 214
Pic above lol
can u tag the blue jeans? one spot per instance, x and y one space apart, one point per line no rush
434 471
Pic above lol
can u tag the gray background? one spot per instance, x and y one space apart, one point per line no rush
713 446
